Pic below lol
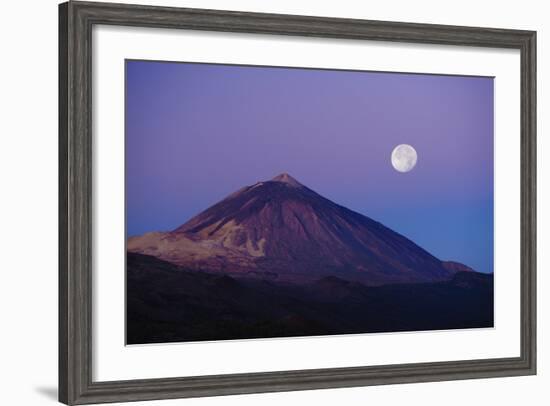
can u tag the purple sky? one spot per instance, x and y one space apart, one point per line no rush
197 132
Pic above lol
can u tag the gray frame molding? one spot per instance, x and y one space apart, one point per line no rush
75 171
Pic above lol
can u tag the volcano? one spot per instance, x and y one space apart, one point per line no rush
283 231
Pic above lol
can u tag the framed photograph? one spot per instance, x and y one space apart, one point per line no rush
257 202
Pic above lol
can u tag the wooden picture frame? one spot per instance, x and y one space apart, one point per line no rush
76 20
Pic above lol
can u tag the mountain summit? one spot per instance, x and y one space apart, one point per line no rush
286 178
282 230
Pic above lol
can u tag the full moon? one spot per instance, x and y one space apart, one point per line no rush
403 158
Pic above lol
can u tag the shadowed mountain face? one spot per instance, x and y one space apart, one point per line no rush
280 230
168 303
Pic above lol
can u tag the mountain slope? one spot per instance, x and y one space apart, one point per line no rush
167 303
282 230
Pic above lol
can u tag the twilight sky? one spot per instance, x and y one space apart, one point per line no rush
197 132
